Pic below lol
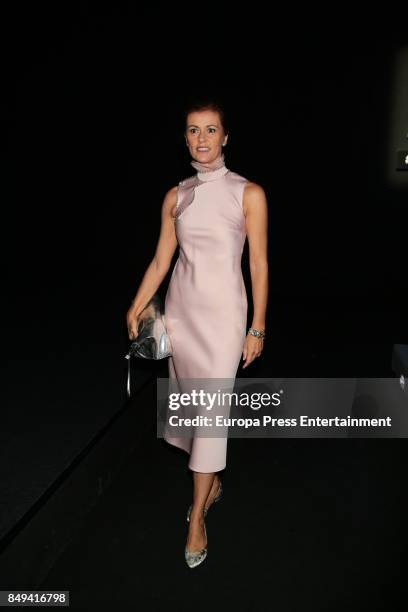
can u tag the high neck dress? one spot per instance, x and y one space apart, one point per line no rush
205 307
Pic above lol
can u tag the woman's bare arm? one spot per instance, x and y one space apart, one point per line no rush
256 221
160 264
256 209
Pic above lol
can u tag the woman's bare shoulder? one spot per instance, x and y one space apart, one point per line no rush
253 194
172 192
170 200
253 189
170 196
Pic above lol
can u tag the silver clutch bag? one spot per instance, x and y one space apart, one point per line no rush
152 341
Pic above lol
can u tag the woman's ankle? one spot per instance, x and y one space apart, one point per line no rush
197 515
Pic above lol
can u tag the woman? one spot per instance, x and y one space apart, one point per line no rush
209 215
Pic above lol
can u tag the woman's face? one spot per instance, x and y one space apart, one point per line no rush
205 135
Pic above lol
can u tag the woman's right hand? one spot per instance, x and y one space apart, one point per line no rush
132 323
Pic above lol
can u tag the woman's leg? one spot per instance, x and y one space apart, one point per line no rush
205 488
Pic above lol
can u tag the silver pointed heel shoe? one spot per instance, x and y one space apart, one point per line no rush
194 558
216 498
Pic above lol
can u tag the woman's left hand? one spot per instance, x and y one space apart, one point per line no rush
253 347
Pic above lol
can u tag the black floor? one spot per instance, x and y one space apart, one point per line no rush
303 525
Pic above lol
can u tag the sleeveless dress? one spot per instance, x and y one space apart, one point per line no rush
206 302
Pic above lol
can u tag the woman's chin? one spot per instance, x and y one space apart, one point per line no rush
204 158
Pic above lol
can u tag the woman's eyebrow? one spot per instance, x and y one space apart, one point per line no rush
209 125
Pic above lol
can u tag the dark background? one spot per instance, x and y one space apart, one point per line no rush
92 110
92 140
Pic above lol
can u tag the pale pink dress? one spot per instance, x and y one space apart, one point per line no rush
206 301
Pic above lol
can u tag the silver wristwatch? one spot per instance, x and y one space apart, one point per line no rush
256 332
